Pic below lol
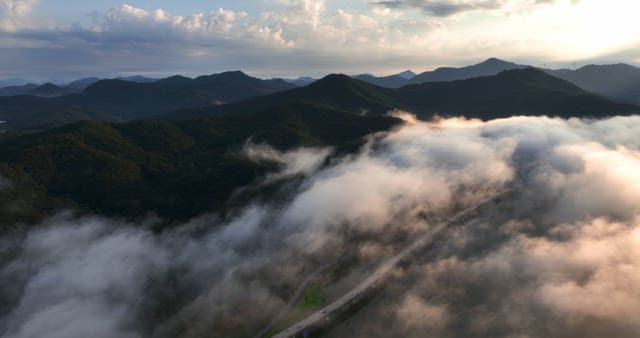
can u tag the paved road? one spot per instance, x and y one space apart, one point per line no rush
381 272
292 302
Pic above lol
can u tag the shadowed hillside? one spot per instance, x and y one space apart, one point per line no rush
174 169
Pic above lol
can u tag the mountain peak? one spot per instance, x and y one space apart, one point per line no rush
491 66
48 86
407 74
234 73
495 61
334 78
336 82
175 79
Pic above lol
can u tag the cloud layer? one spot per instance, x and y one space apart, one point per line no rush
313 37
558 258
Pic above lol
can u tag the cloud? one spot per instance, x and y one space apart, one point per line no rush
14 12
578 281
299 161
442 7
86 279
557 258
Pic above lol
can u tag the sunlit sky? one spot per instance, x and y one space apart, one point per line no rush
66 39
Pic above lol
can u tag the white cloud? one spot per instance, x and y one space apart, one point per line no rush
296 162
14 12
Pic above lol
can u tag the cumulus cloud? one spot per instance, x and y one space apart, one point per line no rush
557 258
309 36
14 12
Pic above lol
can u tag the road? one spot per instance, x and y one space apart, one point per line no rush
382 271
292 302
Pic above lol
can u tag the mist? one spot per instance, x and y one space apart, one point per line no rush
559 258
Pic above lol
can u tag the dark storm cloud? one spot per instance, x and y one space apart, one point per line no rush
442 7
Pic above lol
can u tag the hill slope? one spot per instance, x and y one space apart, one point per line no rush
174 169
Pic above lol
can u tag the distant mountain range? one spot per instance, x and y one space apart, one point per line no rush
13 82
49 89
127 100
620 82
391 81
524 91
301 81
491 66
30 106
44 90
527 91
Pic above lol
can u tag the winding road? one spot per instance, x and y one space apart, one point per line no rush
382 271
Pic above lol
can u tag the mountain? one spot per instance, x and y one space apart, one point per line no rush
137 78
618 81
51 90
126 100
129 100
391 81
335 91
527 91
518 91
174 169
488 67
190 162
301 81
45 90
17 90
407 74
14 82
82 84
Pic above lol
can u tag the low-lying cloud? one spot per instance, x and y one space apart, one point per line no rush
558 258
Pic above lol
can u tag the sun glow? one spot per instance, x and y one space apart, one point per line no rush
589 28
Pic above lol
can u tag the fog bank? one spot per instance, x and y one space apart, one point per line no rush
558 259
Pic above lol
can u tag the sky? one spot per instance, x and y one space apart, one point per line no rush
67 39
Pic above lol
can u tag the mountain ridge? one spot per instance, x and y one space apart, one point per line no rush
116 100
516 91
